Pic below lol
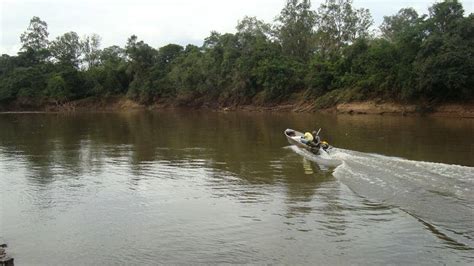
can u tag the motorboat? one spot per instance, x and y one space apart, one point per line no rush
297 138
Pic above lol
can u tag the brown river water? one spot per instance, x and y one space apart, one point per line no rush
188 187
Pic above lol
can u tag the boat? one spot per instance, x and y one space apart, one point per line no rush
294 138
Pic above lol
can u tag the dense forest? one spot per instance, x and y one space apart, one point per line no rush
328 55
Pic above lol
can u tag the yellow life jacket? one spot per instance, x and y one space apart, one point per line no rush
308 136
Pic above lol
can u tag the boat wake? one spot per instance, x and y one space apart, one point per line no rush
324 159
440 196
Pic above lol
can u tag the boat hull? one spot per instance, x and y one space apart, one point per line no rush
294 138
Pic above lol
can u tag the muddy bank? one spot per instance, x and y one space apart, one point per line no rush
374 108
111 104
120 103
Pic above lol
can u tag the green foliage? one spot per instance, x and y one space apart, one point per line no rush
339 24
167 54
12 82
252 41
329 53
57 88
67 49
23 82
445 61
321 76
90 47
142 58
394 26
7 64
295 30
188 75
113 56
35 40
279 76
108 76
417 58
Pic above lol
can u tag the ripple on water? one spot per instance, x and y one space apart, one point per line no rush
127 189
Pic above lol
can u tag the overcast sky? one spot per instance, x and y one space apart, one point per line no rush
158 22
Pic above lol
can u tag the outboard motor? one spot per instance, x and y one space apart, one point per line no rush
325 145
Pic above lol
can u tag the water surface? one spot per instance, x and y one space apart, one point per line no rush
206 187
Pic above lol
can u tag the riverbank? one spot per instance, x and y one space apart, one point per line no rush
371 107
120 103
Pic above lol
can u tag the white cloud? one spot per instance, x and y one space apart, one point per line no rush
157 22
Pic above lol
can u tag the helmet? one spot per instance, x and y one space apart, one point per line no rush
314 133
324 145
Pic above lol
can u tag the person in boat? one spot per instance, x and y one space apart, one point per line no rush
311 139
316 140
307 138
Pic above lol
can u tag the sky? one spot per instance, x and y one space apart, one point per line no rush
159 22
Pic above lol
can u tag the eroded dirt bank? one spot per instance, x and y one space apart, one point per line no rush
113 104
370 107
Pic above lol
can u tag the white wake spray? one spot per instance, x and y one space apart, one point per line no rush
441 196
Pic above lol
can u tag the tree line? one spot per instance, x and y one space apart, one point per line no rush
329 54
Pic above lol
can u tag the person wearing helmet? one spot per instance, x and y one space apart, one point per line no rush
307 138
316 139
324 145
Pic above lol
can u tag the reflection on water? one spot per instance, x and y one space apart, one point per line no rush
191 187
308 168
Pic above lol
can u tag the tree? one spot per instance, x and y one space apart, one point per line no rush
189 74
321 75
221 54
278 76
446 16
445 61
330 52
22 82
251 27
254 43
90 46
35 40
405 32
67 49
58 89
295 30
339 24
36 35
141 55
142 58
7 64
113 55
168 53
393 26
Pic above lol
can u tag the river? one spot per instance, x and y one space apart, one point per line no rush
187 187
